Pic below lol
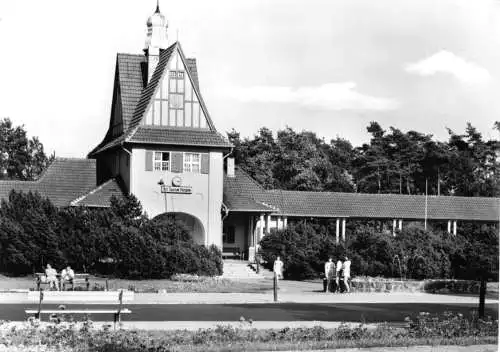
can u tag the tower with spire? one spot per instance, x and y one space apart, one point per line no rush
156 38
161 144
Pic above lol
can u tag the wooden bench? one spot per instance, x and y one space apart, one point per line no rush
79 279
232 252
116 297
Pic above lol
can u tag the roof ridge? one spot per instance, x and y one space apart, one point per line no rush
101 186
129 54
64 158
196 89
148 92
250 177
362 194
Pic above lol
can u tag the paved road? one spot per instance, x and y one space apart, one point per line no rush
349 312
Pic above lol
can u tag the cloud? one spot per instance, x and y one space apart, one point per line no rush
447 62
330 96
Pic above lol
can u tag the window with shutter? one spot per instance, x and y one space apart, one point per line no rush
192 162
176 163
149 160
205 163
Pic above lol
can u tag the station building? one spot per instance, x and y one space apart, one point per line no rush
162 146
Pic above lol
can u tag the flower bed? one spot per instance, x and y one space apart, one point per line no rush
445 286
451 286
380 284
423 329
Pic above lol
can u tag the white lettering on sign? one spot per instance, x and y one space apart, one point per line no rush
173 189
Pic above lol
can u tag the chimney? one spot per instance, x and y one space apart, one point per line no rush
230 167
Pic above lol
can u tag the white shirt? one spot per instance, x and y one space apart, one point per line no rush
67 274
278 266
339 266
347 268
329 268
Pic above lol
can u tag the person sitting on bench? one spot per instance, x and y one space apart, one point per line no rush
67 276
51 275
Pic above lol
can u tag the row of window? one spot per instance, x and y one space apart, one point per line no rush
191 162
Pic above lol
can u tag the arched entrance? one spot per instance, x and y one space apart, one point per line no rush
192 224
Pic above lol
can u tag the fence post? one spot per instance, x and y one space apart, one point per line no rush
482 294
275 287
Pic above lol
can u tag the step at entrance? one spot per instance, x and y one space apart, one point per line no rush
239 269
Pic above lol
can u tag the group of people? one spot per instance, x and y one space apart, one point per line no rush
67 276
332 272
337 271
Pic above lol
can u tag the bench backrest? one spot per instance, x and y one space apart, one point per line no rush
77 276
82 296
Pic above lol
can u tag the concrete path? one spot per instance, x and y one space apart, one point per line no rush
472 348
233 298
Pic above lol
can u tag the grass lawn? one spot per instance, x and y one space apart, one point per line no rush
206 286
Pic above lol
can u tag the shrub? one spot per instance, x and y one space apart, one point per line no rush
450 325
414 253
299 247
117 241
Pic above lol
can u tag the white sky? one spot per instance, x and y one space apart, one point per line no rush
326 66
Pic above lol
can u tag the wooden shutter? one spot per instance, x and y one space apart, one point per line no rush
149 160
205 163
176 162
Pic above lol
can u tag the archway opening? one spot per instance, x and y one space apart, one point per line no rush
190 222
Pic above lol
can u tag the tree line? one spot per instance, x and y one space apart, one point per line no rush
392 162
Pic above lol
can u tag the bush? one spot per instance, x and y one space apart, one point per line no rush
414 253
450 325
301 249
117 241
448 328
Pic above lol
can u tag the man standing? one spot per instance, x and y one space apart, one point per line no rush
337 275
329 272
347 273
278 268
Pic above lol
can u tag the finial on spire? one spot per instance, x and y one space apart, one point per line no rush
157 6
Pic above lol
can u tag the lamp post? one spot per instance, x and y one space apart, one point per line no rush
161 183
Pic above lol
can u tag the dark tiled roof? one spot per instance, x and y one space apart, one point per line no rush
108 144
179 136
329 204
63 181
241 192
191 65
360 205
131 79
100 196
150 89
130 73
